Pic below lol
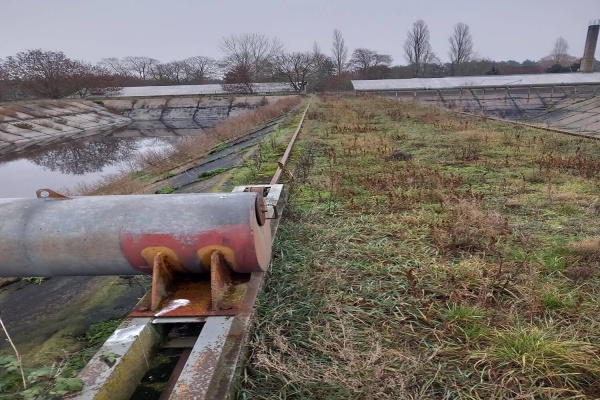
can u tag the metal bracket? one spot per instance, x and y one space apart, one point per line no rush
162 280
274 214
175 295
220 280
49 194
264 192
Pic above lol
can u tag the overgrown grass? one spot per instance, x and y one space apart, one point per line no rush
452 274
261 164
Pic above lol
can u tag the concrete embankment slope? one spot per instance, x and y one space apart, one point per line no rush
188 115
579 114
567 108
38 123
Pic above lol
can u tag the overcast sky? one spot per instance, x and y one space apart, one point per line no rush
176 29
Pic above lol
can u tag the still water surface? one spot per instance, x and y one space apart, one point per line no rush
66 165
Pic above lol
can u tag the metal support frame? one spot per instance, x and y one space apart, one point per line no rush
195 381
209 371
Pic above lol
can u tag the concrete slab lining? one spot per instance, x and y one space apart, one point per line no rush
193 90
487 81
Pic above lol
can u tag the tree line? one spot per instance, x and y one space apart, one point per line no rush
251 58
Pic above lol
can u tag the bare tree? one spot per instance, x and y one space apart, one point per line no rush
45 73
115 66
140 67
5 87
173 73
90 80
191 70
238 80
323 68
52 74
252 53
560 52
417 48
199 69
295 67
365 60
339 51
461 48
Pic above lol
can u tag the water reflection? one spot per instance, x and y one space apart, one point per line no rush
68 164
81 158
87 160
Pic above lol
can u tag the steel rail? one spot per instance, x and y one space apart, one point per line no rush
288 150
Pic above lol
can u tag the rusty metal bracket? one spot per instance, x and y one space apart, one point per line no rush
50 194
274 214
263 209
220 280
261 206
176 295
162 280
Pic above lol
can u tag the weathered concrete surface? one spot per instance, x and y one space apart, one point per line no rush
569 108
45 320
37 123
178 114
194 90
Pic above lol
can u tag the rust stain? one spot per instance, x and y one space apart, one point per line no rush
205 255
171 257
235 239
162 280
197 289
219 280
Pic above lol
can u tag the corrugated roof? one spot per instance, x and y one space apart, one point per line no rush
456 82
190 90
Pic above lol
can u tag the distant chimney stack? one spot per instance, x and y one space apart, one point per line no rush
587 62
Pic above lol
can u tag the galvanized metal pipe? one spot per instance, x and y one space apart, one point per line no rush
119 235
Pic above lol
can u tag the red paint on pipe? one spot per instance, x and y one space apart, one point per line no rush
238 238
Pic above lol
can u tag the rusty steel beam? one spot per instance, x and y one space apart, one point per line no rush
196 378
121 235
288 150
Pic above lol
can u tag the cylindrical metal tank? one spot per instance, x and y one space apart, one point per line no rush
119 235
587 62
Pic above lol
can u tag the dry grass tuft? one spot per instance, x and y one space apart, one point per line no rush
470 228
524 357
587 248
